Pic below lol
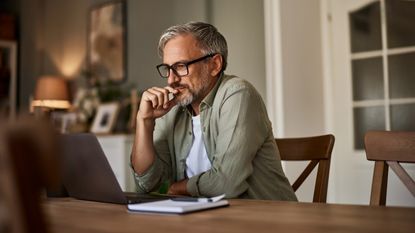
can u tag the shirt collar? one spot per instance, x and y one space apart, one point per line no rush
208 100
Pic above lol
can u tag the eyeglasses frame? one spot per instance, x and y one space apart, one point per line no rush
186 64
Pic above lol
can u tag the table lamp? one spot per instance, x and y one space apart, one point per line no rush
51 93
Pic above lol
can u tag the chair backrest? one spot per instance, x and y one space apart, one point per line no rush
389 149
315 149
28 162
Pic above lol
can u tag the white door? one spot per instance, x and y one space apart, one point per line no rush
372 87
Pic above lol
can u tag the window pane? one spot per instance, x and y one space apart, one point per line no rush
367 118
367 78
365 29
403 117
402 75
400 17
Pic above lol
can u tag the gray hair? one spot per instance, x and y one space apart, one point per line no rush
209 39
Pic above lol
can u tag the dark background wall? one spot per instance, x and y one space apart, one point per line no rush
53 34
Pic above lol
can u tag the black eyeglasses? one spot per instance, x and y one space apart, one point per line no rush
179 68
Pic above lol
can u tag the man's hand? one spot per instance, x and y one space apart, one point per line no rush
178 188
155 103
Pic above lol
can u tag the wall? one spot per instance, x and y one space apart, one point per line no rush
302 72
302 67
30 51
54 36
146 21
52 41
242 24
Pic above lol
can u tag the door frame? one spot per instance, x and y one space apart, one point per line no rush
273 65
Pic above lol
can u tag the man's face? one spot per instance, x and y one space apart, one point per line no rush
197 84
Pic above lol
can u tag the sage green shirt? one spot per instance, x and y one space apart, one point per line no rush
239 142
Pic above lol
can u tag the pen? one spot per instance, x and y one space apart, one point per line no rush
192 199
200 199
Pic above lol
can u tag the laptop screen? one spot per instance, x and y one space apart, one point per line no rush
86 173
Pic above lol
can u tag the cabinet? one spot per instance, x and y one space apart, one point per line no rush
117 149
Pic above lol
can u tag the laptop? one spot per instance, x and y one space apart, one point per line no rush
87 175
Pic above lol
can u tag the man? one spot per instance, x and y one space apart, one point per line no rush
214 136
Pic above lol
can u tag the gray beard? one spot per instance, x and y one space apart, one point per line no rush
194 95
186 101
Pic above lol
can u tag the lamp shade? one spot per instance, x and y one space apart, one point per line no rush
51 92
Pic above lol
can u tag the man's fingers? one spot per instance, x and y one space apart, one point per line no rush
165 95
157 98
158 101
171 90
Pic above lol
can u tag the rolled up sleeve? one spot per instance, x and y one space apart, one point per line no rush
160 170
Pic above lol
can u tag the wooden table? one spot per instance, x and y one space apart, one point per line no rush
70 215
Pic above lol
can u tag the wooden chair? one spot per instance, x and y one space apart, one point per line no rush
315 149
389 149
28 163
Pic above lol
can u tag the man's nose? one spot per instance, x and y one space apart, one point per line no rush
173 78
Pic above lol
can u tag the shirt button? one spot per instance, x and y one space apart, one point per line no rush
190 133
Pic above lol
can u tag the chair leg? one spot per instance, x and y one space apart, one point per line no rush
379 184
322 182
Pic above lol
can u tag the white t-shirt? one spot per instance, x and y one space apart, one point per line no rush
197 161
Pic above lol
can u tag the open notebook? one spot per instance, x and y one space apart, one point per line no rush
179 205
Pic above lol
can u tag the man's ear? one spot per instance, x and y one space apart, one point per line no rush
217 63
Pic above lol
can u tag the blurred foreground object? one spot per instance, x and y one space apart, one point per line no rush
28 164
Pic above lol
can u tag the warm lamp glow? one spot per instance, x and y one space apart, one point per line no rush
71 64
51 92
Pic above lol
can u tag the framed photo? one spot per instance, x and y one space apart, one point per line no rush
105 118
107 42
8 63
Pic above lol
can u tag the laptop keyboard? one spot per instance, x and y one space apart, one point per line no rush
133 198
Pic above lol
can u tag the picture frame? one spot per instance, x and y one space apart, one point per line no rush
8 78
106 56
105 118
